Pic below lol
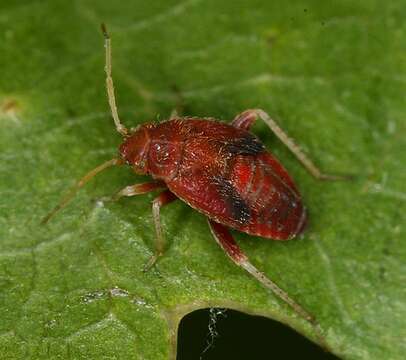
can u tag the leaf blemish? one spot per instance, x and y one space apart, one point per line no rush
10 108
104 294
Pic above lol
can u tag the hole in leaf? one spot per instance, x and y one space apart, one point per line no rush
235 335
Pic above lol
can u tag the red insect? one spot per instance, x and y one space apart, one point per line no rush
221 170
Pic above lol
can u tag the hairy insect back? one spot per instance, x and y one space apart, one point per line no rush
227 174
275 204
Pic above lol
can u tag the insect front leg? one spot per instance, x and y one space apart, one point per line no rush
248 117
138 189
163 198
228 244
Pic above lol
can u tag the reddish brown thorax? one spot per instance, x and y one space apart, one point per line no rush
155 149
222 171
134 150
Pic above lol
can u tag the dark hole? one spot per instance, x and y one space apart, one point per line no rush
242 336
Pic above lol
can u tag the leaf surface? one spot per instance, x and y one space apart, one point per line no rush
332 75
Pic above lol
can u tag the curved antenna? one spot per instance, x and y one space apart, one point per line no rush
70 195
109 84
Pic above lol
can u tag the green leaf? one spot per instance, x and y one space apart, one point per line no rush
331 73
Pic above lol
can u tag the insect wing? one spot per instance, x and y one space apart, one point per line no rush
275 204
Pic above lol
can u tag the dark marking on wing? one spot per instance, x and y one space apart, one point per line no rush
247 145
239 209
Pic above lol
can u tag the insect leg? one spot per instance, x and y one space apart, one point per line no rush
163 198
110 86
174 114
68 197
138 189
247 118
180 103
228 244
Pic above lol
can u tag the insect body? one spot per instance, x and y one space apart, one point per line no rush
221 170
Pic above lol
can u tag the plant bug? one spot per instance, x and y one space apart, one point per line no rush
221 170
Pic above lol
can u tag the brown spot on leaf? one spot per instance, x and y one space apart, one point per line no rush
10 107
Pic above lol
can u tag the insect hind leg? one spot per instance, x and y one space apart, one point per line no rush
246 119
228 244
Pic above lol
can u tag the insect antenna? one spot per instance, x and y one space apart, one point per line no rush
69 196
109 84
